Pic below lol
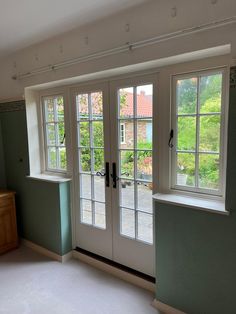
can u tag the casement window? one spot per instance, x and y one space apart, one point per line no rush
122 133
198 124
54 133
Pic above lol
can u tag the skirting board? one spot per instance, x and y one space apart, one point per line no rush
137 281
43 251
164 308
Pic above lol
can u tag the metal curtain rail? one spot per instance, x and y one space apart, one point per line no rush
127 47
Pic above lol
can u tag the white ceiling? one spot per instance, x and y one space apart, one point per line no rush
26 22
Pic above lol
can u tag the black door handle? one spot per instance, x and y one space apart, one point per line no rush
113 175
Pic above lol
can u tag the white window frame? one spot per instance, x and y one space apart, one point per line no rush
122 133
223 134
44 150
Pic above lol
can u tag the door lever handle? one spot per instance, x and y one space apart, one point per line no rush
113 175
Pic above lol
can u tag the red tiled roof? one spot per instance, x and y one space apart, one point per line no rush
144 105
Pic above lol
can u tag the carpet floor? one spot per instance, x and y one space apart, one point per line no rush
33 284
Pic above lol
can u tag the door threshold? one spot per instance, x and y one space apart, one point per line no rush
123 272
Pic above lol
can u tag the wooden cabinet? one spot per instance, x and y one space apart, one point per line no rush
8 227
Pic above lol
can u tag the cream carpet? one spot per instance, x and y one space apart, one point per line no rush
33 284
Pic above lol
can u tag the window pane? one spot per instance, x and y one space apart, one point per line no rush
83 136
145 227
49 109
85 159
126 102
186 133
126 134
62 158
60 108
144 134
127 163
52 158
186 95
86 211
98 160
127 193
82 106
144 165
85 186
99 189
98 137
51 134
127 222
186 169
97 106
100 215
209 171
210 93
144 101
210 133
145 197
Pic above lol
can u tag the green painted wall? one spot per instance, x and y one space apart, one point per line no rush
196 251
43 208
2 165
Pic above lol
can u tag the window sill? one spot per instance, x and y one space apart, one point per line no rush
48 178
209 205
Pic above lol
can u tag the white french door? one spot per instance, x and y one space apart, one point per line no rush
114 172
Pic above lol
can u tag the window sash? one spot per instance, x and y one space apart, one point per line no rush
196 152
59 143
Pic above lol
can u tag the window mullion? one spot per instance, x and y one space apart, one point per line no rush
135 163
197 134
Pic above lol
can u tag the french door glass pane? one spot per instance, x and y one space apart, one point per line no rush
52 158
100 215
91 158
86 211
145 230
127 193
51 134
126 102
136 163
62 158
127 222
145 197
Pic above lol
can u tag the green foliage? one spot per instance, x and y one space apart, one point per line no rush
209 138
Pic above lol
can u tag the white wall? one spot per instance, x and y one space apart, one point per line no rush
145 21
